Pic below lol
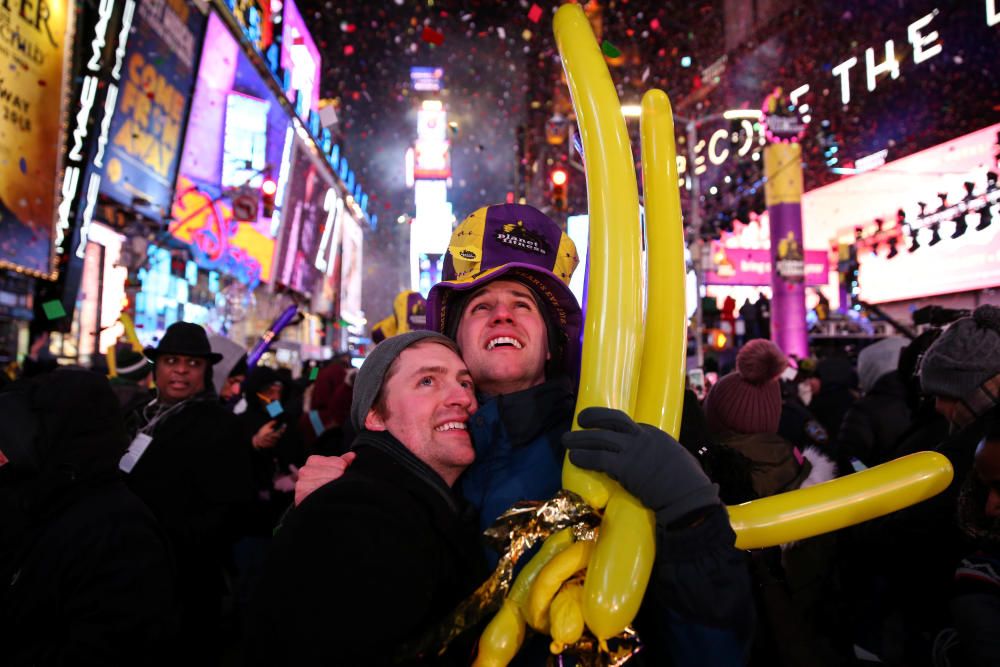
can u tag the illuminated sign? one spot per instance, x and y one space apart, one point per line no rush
333 205
88 98
431 160
244 152
430 229
312 212
744 266
350 273
217 240
426 79
432 123
234 118
431 153
144 148
967 263
296 68
301 61
254 17
924 43
165 298
782 119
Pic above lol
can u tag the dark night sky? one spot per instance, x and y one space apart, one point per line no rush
496 61
498 76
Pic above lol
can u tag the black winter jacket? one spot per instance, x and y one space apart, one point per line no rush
195 477
872 426
366 563
86 572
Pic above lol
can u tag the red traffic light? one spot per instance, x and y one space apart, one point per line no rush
267 191
559 176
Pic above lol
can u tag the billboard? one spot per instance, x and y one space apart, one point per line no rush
967 263
232 103
244 147
301 62
144 147
832 213
350 274
254 17
35 47
426 79
311 215
746 266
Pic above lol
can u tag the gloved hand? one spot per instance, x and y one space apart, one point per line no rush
647 462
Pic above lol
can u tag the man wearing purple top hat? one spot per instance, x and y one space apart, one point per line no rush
505 300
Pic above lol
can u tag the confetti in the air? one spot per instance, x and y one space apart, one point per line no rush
432 36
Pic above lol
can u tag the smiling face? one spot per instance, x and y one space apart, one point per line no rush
503 338
179 377
426 401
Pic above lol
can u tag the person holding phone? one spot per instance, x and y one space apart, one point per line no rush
275 453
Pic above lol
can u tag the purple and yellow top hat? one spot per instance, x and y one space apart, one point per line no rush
515 242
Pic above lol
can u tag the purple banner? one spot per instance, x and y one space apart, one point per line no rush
743 266
788 303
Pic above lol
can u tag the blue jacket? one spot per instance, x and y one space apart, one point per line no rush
518 450
698 608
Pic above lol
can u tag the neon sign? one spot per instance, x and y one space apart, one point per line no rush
88 97
217 240
782 119
334 206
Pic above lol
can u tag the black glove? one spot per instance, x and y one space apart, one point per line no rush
647 462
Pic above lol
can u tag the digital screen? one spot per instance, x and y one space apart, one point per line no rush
309 237
350 276
301 61
426 79
244 153
235 119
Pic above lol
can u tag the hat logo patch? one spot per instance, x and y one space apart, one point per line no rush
522 238
467 254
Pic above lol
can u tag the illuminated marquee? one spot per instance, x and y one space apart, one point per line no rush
88 97
327 249
428 168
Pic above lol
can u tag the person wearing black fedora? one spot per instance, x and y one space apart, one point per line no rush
187 462
183 360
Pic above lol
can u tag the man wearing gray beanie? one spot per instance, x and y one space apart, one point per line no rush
370 561
962 368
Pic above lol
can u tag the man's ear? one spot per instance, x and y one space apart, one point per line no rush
374 421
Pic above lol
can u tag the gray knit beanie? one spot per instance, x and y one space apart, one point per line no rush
964 356
372 373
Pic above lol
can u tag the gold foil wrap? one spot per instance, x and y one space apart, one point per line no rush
515 533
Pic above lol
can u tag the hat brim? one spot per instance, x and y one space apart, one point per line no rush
152 353
554 293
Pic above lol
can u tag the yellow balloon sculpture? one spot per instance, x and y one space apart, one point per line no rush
842 502
619 564
130 336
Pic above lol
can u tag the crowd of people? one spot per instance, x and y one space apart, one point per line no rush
233 515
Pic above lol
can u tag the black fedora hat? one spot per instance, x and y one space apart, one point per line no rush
184 338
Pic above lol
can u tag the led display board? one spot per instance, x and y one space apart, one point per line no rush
427 79
300 59
202 212
312 213
35 45
244 149
144 147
